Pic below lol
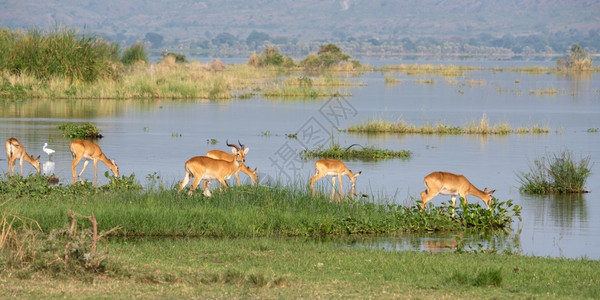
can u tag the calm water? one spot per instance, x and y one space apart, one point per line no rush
145 137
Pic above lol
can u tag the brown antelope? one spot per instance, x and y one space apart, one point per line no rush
446 183
222 155
82 149
207 169
15 150
332 167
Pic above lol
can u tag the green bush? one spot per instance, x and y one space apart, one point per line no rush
328 56
556 173
134 53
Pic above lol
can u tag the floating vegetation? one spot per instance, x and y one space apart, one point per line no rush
548 91
391 80
592 130
480 127
425 81
441 70
355 151
556 173
83 131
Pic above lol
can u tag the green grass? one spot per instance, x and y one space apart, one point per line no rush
300 268
476 127
245 211
335 151
556 173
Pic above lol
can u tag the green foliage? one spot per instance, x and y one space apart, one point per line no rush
179 58
134 54
271 57
577 59
58 53
83 131
335 151
328 55
556 173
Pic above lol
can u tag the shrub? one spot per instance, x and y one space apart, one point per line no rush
134 54
557 173
329 55
577 59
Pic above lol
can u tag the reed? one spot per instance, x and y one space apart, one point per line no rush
475 127
59 53
556 173
428 69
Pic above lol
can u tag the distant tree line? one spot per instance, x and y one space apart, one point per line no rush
226 44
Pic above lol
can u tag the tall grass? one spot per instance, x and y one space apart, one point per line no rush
556 173
59 53
476 127
335 151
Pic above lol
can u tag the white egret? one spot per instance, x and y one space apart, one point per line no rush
47 150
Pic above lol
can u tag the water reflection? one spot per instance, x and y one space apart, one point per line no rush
566 210
48 168
441 242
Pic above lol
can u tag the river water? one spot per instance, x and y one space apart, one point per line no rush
157 137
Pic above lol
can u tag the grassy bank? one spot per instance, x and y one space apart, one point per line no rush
298 268
245 211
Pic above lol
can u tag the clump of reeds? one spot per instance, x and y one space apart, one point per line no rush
441 70
480 127
556 173
335 151
60 53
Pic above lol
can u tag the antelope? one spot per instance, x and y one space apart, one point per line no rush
332 167
446 183
222 155
15 150
207 169
81 149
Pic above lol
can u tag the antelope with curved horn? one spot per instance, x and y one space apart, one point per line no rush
447 183
207 169
82 149
222 155
15 150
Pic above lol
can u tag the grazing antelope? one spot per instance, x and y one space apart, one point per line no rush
15 150
207 169
446 183
81 149
332 167
222 155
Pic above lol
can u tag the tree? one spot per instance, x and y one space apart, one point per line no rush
225 38
577 59
256 38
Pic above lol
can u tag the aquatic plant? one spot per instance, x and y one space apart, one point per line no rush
480 127
83 131
556 173
354 151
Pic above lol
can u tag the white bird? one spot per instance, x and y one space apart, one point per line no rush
47 150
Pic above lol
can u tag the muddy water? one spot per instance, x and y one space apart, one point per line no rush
147 137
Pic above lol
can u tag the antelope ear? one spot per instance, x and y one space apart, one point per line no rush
38 158
492 192
246 150
233 150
